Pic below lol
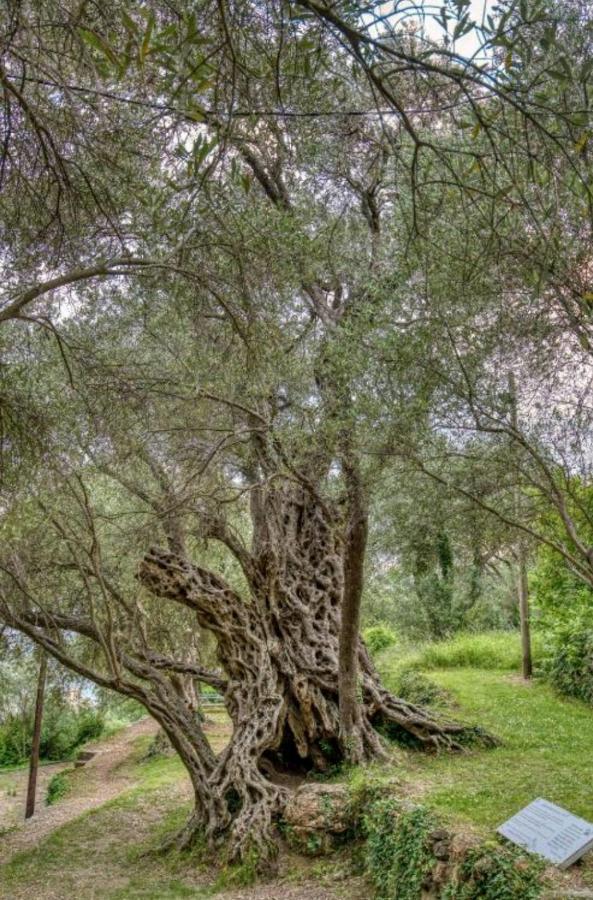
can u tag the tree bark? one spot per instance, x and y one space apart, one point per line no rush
354 555
36 743
279 650
522 587
523 591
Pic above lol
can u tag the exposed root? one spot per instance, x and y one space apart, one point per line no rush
414 725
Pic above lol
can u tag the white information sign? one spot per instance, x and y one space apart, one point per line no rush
550 831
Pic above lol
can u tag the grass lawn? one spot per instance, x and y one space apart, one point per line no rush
546 750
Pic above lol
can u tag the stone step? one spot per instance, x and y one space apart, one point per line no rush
83 758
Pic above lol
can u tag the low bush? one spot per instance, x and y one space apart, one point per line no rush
118 711
397 854
378 638
400 856
490 650
64 730
569 659
495 872
416 688
15 741
485 650
57 788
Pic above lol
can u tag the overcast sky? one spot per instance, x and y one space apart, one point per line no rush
467 45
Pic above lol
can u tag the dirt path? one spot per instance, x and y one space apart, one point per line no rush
103 871
13 785
96 783
353 889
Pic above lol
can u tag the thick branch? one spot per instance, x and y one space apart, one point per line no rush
214 679
118 266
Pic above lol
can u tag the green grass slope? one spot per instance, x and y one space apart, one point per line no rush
545 750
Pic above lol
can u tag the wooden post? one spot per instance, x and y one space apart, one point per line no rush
34 764
522 586
527 663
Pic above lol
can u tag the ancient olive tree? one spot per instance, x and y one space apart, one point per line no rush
234 401
226 405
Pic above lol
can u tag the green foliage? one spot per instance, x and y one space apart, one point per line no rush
118 710
444 553
57 788
415 687
488 650
434 579
565 607
435 593
559 595
15 741
397 857
481 651
493 872
379 637
474 601
390 600
64 730
569 661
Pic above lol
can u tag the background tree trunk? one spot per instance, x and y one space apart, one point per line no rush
523 591
522 586
36 743
354 556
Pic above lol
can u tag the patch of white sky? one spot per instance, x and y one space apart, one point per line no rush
428 16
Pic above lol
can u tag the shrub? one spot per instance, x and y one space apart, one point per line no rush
558 593
57 788
397 855
494 872
90 725
416 688
15 741
486 650
64 730
118 711
569 662
379 637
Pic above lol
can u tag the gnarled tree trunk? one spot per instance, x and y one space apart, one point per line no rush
279 649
